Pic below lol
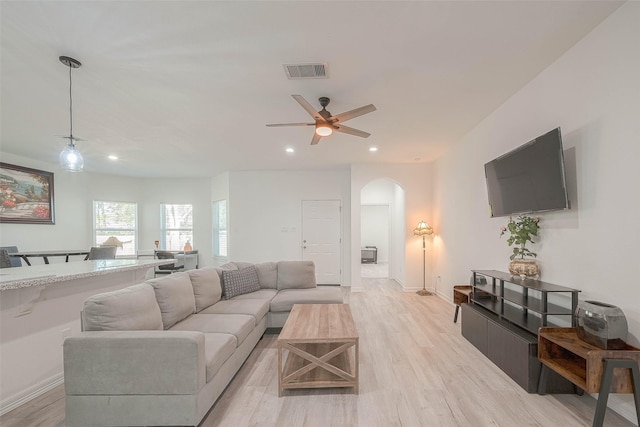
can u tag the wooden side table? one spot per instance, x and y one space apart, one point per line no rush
461 294
592 369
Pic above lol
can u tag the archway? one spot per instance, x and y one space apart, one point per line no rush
382 223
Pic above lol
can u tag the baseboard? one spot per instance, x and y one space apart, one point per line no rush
416 289
31 393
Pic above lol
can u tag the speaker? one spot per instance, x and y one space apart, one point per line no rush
480 280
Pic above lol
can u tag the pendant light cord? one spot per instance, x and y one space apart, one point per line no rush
70 110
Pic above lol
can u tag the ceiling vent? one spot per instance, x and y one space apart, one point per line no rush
306 71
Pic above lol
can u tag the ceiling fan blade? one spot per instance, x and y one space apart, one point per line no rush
272 125
312 111
315 139
348 115
351 131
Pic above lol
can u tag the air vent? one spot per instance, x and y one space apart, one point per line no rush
306 71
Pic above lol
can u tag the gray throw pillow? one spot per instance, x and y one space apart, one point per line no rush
238 282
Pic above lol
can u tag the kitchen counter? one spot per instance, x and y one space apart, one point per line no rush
24 277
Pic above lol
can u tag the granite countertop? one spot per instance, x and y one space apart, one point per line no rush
24 277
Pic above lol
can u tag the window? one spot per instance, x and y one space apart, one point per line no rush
118 220
176 223
220 228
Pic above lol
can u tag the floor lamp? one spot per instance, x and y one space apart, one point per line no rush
423 229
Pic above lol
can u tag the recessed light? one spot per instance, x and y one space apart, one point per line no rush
373 149
289 150
113 157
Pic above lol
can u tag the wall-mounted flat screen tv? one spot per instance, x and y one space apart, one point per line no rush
528 179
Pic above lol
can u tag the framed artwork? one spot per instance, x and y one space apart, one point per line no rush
26 195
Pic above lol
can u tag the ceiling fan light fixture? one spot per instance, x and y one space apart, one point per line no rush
324 130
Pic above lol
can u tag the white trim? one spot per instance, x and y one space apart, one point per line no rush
31 393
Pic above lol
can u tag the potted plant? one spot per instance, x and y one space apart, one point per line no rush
521 230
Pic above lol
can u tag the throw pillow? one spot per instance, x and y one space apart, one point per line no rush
238 282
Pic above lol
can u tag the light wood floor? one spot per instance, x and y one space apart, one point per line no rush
415 370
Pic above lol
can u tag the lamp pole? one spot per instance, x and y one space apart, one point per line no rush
423 229
424 290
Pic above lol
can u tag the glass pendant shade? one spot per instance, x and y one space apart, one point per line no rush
70 159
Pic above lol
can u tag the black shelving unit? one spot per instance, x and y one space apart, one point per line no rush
529 306
503 318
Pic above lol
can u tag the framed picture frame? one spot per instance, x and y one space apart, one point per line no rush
26 195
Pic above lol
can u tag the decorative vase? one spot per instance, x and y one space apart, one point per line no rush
525 268
600 324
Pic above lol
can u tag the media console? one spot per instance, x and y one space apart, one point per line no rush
503 318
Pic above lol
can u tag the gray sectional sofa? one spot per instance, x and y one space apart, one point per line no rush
162 352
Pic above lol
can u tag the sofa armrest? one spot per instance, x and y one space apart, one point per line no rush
134 362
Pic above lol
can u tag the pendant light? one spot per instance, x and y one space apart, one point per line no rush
70 158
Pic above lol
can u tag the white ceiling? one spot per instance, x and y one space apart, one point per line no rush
185 88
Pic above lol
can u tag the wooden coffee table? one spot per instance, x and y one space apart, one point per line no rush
319 348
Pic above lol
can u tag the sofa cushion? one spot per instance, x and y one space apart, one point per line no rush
268 275
239 325
296 275
217 349
264 294
242 264
206 287
228 266
321 295
174 294
240 282
130 309
257 308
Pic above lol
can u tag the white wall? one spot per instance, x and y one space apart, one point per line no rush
416 193
220 191
265 208
593 93
74 194
374 229
72 229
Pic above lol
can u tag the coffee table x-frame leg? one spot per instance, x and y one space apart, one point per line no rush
324 358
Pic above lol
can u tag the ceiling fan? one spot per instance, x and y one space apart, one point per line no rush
325 123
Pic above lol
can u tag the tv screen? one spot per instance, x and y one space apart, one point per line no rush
528 179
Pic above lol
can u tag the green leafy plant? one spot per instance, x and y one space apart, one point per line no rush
521 230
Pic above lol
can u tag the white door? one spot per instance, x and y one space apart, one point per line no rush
322 238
